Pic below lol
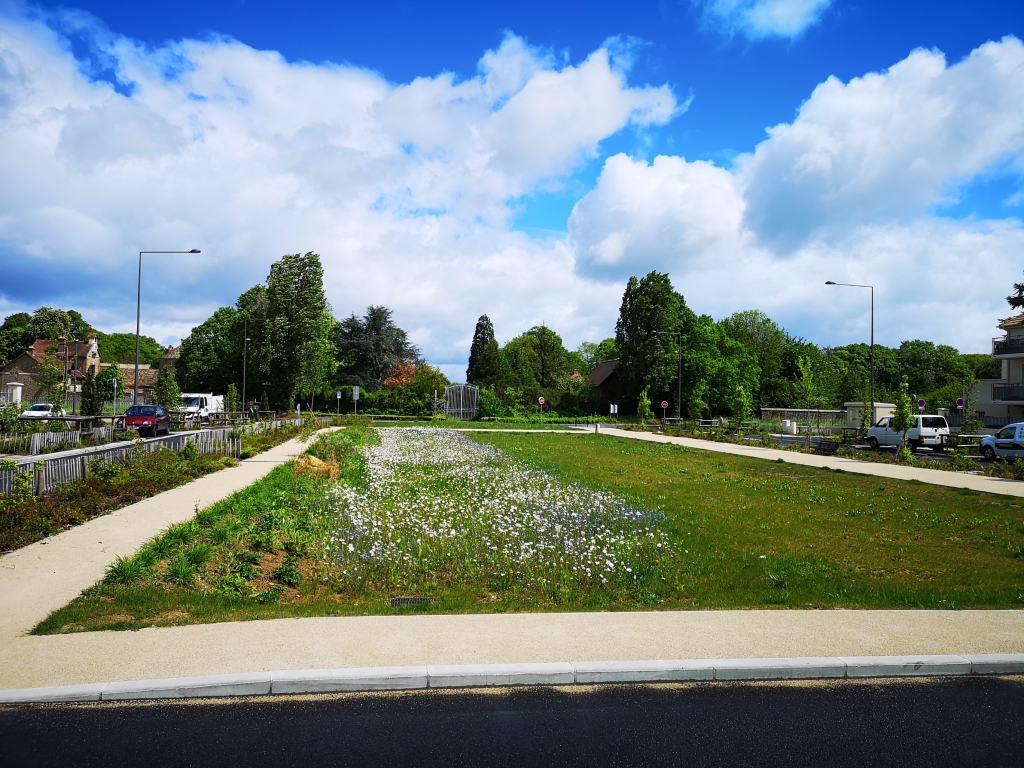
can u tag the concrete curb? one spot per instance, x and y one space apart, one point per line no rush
563 673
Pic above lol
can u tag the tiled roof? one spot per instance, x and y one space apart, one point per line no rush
1012 322
602 371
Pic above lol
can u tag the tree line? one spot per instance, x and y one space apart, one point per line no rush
729 367
297 352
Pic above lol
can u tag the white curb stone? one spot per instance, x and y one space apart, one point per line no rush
356 679
996 663
89 692
247 684
805 668
470 675
475 675
905 666
643 671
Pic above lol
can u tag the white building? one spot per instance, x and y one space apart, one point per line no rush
1004 397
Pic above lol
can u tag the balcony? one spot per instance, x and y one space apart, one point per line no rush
1008 345
1007 392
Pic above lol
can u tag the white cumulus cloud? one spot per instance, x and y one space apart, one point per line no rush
844 192
404 189
759 19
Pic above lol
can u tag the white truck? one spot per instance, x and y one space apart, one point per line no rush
197 406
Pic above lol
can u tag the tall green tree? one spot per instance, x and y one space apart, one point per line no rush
50 375
650 312
110 383
369 347
15 336
769 343
166 392
50 323
301 353
593 354
483 334
492 368
92 403
120 348
211 355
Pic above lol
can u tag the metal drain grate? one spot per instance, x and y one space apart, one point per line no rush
397 601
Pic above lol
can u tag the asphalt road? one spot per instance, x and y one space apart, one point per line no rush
955 722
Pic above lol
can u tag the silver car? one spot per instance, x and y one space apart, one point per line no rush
1008 443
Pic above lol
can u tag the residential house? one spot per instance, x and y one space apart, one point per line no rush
605 379
76 357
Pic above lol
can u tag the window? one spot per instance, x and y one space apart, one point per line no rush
934 422
883 422
1007 433
141 410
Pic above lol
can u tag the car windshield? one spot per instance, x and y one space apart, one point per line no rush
39 408
1007 432
190 402
934 422
141 410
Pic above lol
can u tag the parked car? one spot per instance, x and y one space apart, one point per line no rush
1008 443
927 432
148 419
44 411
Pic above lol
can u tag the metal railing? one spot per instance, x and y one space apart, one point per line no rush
1008 345
1008 391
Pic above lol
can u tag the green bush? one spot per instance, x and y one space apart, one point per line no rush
190 451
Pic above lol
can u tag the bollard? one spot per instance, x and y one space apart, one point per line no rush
596 425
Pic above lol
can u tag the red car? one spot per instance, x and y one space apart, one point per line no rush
148 419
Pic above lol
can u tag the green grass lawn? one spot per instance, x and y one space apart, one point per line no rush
738 533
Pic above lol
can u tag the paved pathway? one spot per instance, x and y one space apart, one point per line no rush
39 578
930 476
43 576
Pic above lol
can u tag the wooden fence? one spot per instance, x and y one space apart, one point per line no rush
50 473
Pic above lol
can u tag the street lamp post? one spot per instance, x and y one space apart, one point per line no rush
857 285
245 356
679 383
138 317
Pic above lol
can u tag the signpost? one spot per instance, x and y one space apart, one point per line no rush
541 401
920 404
664 406
338 395
355 400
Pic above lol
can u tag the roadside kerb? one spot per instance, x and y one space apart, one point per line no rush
500 675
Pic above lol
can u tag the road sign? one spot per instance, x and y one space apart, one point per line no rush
920 403
355 393
338 394
540 400
664 404
959 402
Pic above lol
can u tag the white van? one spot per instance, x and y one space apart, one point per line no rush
197 406
928 431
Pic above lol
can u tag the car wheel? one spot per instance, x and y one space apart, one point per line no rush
873 442
988 452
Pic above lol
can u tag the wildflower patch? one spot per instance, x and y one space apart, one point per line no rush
438 507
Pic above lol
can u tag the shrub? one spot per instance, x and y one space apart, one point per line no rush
190 451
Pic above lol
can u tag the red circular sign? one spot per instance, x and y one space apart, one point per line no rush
664 403
920 403
540 400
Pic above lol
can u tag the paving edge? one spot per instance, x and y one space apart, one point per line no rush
494 675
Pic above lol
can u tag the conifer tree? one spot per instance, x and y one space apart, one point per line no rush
482 336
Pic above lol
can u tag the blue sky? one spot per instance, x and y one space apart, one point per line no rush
697 81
